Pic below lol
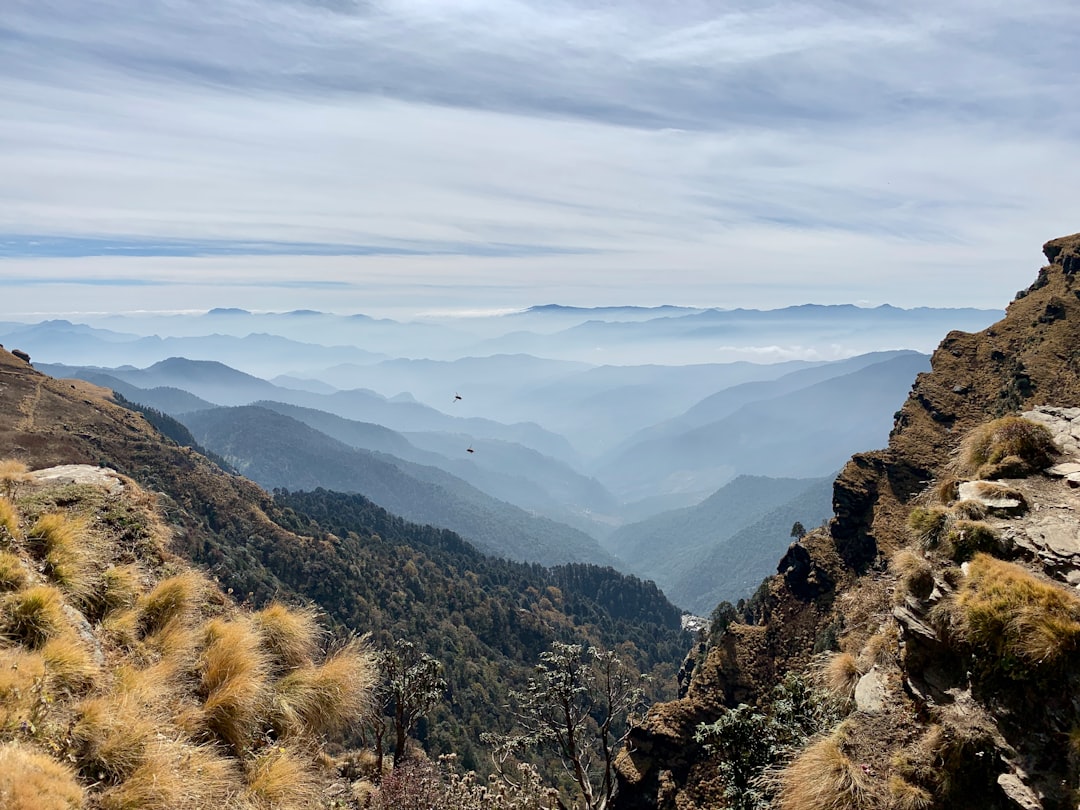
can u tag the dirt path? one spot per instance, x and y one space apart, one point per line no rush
28 407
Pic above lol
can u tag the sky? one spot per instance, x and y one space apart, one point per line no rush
471 156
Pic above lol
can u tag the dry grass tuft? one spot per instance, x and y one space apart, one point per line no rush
282 779
112 736
928 524
235 682
32 780
841 675
175 598
914 573
120 588
824 776
966 538
61 542
969 510
22 677
1021 619
176 776
12 572
318 700
1010 447
947 490
70 665
882 648
34 615
908 796
9 522
291 635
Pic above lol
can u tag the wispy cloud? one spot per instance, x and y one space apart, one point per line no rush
516 151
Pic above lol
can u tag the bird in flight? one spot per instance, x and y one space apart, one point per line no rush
469 450
457 397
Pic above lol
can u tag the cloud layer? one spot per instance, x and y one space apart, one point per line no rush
410 155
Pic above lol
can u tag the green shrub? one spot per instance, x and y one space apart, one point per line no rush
928 524
966 538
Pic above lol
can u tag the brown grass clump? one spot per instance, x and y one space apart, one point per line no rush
235 681
966 538
882 648
318 700
9 522
120 588
22 679
112 736
1010 447
32 780
33 615
947 490
175 776
914 574
842 675
291 635
12 572
824 776
1023 620
177 597
908 796
70 665
969 510
928 524
282 779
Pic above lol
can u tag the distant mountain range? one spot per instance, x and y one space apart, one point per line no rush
529 433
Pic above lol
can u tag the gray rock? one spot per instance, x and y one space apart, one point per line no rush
870 692
1018 793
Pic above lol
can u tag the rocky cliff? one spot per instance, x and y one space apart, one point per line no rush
886 604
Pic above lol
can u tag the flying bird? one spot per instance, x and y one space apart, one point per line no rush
469 450
457 397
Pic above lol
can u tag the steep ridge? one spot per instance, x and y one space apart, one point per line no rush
953 721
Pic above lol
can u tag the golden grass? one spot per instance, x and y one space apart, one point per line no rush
112 736
841 675
22 678
824 776
1008 447
9 521
176 776
177 597
882 648
12 572
914 574
62 544
908 796
947 490
69 663
1005 609
323 699
121 586
235 681
32 780
292 635
34 615
282 779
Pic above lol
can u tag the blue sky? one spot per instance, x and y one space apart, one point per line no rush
397 157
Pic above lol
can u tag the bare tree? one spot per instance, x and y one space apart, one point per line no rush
579 703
